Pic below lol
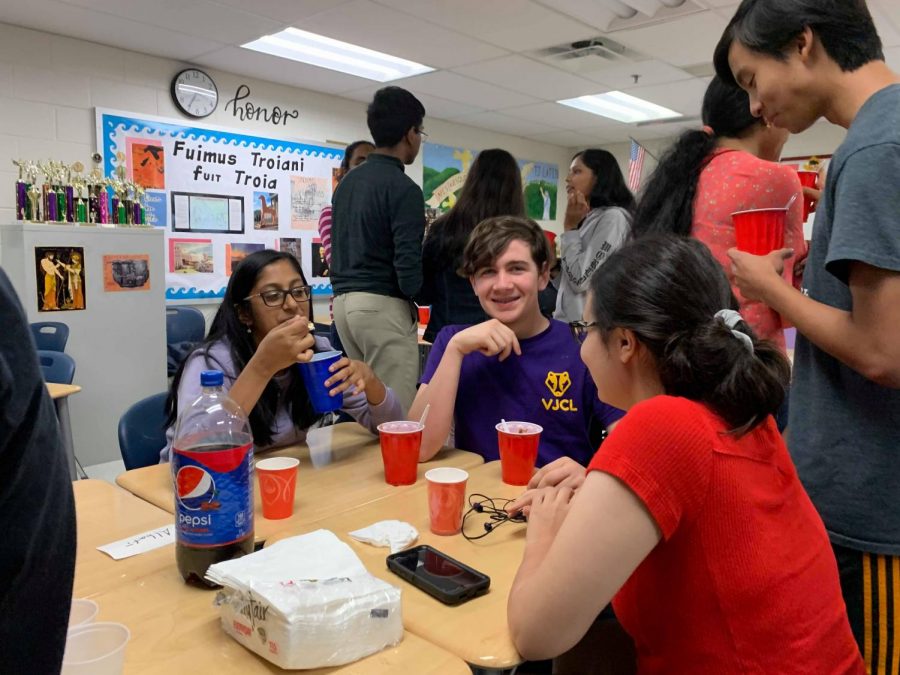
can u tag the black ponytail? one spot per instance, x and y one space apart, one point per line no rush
667 290
666 205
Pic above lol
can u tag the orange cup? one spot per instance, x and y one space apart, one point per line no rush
424 314
446 495
518 443
808 179
277 484
759 231
400 443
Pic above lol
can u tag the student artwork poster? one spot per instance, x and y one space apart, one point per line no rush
218 193
445 169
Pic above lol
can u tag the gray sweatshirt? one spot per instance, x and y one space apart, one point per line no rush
582 251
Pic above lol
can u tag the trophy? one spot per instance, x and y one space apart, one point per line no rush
79 184
22 207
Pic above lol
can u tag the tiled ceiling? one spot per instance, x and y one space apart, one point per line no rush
488 73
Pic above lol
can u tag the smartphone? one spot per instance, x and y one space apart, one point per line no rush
439 575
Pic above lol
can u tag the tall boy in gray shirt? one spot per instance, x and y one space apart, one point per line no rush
800 60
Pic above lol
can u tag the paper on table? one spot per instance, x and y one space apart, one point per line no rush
140 543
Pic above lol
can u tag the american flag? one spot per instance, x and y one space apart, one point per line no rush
635 165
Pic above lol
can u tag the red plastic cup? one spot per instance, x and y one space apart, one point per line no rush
400 443
759 231
446 495
277 484
518 450
808 179
424 314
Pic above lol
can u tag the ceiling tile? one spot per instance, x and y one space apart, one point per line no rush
504 124
529 77
591 12
621 75
516 25
286 11
198 17
274 69
65 19
461 89
435 106
554 114
572 139
365 23
685 97
681 42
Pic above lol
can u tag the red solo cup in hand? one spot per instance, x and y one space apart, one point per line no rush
277 484
808 179
446 496
518 450
424 314
400 443
759 231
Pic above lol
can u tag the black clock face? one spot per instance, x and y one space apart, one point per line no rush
194 92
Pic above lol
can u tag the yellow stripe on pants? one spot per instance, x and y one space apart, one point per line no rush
867 612
882 614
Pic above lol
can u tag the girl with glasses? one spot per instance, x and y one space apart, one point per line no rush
260 332
691 518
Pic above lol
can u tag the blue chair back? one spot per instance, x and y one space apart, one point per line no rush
57 366
50 335
184 324
141 432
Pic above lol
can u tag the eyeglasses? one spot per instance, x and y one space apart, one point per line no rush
422 133
275 297
580 329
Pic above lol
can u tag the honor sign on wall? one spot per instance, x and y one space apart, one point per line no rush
221 195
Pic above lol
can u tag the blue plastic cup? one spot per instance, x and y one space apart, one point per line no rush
314 373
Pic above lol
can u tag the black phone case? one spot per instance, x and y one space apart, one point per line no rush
455 598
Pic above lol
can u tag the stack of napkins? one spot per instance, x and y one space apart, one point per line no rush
307 602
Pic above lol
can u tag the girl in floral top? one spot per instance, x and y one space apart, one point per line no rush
708 174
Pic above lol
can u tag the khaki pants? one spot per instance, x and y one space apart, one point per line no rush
382 332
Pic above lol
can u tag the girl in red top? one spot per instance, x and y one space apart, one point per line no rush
691 517
709 174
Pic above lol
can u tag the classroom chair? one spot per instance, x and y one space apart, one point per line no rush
142 432
56 366
50 335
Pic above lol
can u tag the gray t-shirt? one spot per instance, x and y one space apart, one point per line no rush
844 431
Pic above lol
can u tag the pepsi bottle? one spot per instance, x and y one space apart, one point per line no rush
212 471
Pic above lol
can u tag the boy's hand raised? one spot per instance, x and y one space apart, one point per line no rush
490 338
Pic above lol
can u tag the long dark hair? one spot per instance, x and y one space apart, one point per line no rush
609 188
227 326
667 290
492 188
348 155
667 202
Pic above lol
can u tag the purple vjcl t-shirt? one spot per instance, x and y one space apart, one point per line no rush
547 385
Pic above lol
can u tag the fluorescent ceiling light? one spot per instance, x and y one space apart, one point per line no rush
318 50
620 106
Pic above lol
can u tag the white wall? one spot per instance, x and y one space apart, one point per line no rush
820 139
49 86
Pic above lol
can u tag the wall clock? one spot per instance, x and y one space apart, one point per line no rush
194 93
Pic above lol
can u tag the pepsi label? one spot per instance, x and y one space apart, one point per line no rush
213 495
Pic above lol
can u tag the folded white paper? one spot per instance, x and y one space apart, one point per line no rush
395 534
140 543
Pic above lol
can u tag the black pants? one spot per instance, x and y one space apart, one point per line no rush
871 587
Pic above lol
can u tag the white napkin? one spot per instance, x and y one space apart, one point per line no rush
393 533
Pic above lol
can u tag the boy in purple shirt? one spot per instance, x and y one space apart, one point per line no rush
518 365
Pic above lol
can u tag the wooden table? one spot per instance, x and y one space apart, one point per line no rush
353 477
174 627
60 394
477 630
105 514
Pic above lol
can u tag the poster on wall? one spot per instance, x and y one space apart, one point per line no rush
59 271
126 272
220 194
445 169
